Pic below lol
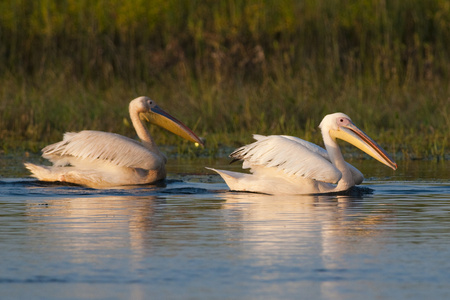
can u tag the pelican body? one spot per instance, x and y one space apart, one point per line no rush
102 159
281 164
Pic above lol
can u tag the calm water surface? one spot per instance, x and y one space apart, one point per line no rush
190 238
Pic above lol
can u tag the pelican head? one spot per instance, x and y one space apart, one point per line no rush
152 113
339 125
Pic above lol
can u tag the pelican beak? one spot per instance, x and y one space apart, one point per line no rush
355 136
161 118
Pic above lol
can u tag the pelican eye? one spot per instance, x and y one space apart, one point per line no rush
343 121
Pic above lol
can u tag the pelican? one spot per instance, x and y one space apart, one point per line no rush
102 159
281 164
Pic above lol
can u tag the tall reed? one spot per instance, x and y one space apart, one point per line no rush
228 68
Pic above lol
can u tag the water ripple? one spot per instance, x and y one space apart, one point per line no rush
35 188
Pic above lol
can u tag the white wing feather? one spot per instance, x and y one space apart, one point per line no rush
358 177
104 146
292 155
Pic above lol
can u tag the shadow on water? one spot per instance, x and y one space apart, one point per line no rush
35 188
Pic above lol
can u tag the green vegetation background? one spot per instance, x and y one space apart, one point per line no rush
228 69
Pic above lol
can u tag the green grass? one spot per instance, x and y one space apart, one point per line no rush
411 123
228 69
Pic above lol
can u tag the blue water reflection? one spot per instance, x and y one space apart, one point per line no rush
194 239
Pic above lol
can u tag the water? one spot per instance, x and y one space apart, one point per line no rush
191 238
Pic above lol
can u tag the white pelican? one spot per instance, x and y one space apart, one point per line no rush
102 159
283 164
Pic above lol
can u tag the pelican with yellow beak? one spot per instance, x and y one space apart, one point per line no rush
281 164
102 159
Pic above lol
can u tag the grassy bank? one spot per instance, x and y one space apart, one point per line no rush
412 122
228 69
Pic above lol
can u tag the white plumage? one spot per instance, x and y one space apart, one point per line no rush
281 164
103 159
281 151
91 146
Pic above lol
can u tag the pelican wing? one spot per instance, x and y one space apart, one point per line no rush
104 146
358 177
292 155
